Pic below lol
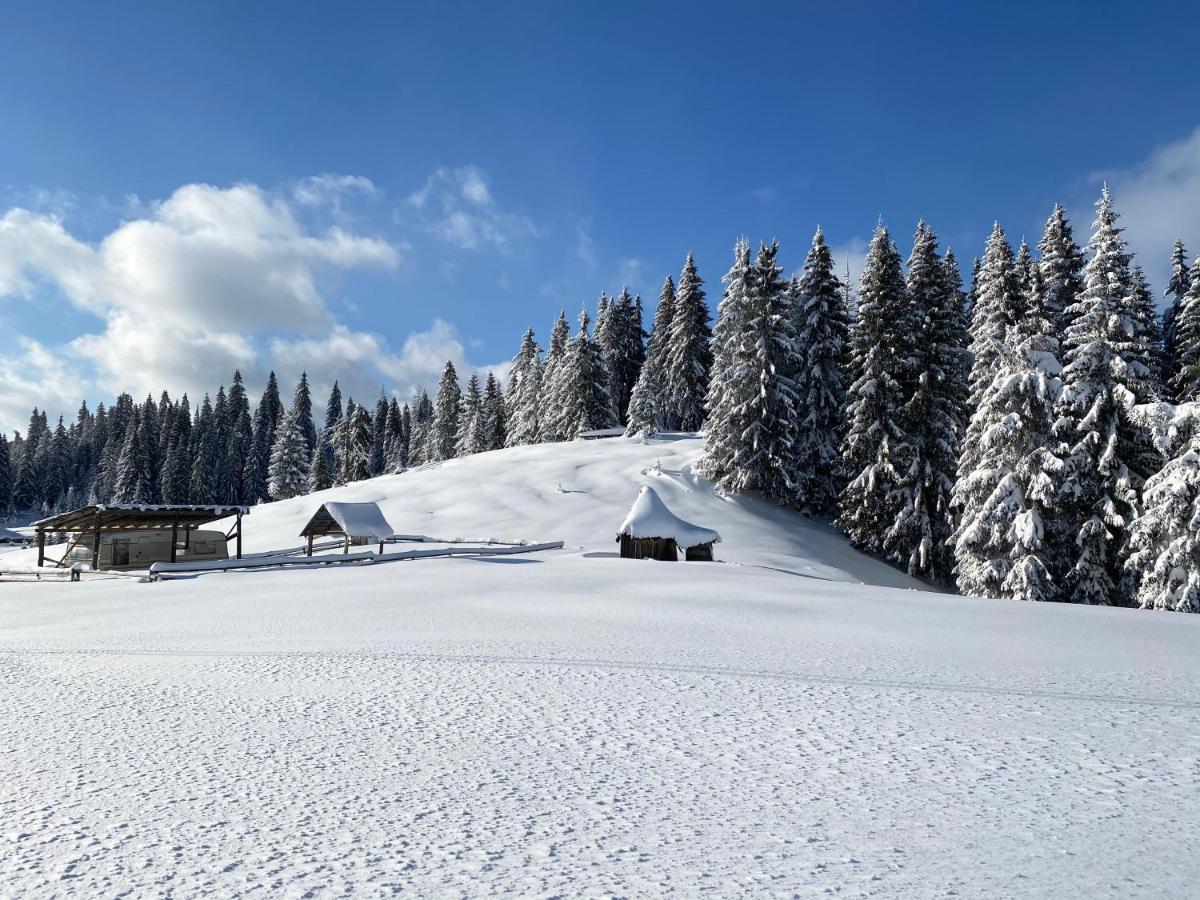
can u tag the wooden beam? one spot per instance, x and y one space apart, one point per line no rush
41 538
239 535
96 541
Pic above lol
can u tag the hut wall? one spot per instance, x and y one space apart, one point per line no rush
699 553
662 549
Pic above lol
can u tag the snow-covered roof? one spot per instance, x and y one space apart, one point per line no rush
650 518
219 510
361 520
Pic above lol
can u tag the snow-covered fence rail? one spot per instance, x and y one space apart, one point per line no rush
162 570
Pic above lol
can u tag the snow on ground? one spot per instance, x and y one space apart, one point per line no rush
570 724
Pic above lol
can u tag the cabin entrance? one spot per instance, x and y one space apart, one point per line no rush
120 553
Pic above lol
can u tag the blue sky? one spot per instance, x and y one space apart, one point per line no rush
364 191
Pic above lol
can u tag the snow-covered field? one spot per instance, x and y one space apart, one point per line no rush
798 720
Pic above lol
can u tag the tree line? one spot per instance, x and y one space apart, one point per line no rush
1035 436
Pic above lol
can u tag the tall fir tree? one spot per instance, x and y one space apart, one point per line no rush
495 415
822 332
1061 268
648 411
1185 384
524 394
688 362
875 444
470 437
358 437
443 429
1102 380
1178 283
303 413
581 398
202 484
289 468
550 413
933 415
1001 545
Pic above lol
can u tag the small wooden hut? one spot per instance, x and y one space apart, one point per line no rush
651 531
355 523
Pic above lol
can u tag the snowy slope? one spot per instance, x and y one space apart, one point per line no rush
570 724
580 492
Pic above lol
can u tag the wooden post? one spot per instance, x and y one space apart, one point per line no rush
381 547
41 548
310 540
239 534
96 542
174 537
346 543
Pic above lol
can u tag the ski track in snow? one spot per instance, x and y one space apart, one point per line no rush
587 726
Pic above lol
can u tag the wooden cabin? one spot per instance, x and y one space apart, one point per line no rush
651 531
356 523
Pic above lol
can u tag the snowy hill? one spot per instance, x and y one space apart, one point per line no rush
579 492
569 723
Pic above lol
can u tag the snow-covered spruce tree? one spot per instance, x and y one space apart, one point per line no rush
419 425
549 406
1102 459
358 438
443 429
395 447
581 395
202 485
875 444
133 469
756 430
822 332
997 305
265 424
320 477
689 352
289 468
239 436
1001 547
302 411
933 415
524 394
621 341
379 434
1164 540
1147 339
470 420
647 410
495 414
1177 288
1061 268
723 431
1186 383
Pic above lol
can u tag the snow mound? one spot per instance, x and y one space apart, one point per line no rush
650 518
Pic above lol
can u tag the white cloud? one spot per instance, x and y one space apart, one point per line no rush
456 204
182 292
585 245
1159 202
332 191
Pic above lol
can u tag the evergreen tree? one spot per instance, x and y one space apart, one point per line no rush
689 359
133 468
933 414
1186 383
202 485
550 412
1102 380
6 479
620 338
1001 546
303 414
524 394
997 306
753 428
379 436
358 439
470 437
822 331
320 476
1061 268
875 444
1177 289
422 419
648 410
494 415
443 430
1165 538
289 469
581 396
395 442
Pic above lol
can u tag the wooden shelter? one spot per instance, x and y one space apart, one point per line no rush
651 531
114 518
356 523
